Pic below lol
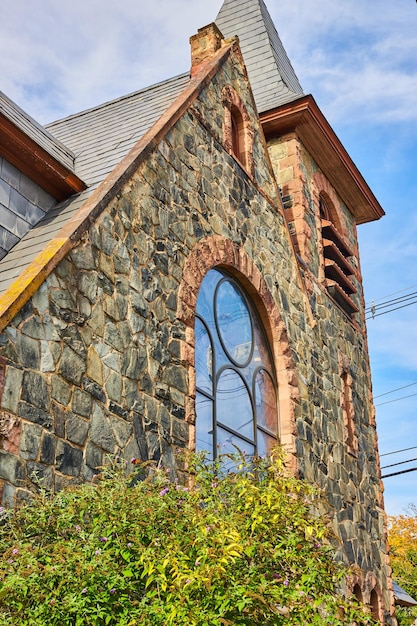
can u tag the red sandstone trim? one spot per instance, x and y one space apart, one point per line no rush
217 251
231 101
304 116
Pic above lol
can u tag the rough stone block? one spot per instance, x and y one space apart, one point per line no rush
35 390
71 366
12 387
34 414
82 403
68 459
30 441
76 429
101 432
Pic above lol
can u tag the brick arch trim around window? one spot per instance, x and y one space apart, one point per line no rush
238 131
219 252
368 586
323 188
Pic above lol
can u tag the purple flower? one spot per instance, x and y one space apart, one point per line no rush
129 545
286 583
84 590
164 491
112 591
103 539
15 551
187 582
98 552
78 528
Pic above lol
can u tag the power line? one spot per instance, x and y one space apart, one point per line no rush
399 463
374 315
391 294
398 451
386 303
397 400
393 390
412 469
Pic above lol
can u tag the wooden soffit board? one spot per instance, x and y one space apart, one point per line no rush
31 159
304 117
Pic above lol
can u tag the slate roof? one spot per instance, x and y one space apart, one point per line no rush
99 137
402 598
96 140
271 74
36 132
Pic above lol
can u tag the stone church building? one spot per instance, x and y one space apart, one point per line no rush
180 269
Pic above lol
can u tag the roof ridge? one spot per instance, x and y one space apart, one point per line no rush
115 100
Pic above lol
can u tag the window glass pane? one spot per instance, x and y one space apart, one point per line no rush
234 322
234 370
233 404
203 358
265 443
227 442
261 354
265 401
206 297
204 425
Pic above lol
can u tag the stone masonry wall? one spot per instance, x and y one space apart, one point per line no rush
94 363
351 479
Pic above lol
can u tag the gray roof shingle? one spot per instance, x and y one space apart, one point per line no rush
36 132
99 137
96 140
271 74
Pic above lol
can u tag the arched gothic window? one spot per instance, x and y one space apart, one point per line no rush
357 592
374 602
238 129
238 135
236 389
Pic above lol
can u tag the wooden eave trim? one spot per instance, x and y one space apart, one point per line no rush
34 161
305 118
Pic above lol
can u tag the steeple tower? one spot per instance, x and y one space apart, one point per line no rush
271 74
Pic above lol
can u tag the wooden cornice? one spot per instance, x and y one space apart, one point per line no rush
34 161
304 117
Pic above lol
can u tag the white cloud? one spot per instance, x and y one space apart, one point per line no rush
358 57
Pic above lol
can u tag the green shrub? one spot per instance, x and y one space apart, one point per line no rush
240 547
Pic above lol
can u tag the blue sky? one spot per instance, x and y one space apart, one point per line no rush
359 60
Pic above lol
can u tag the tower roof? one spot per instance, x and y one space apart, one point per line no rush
271 74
